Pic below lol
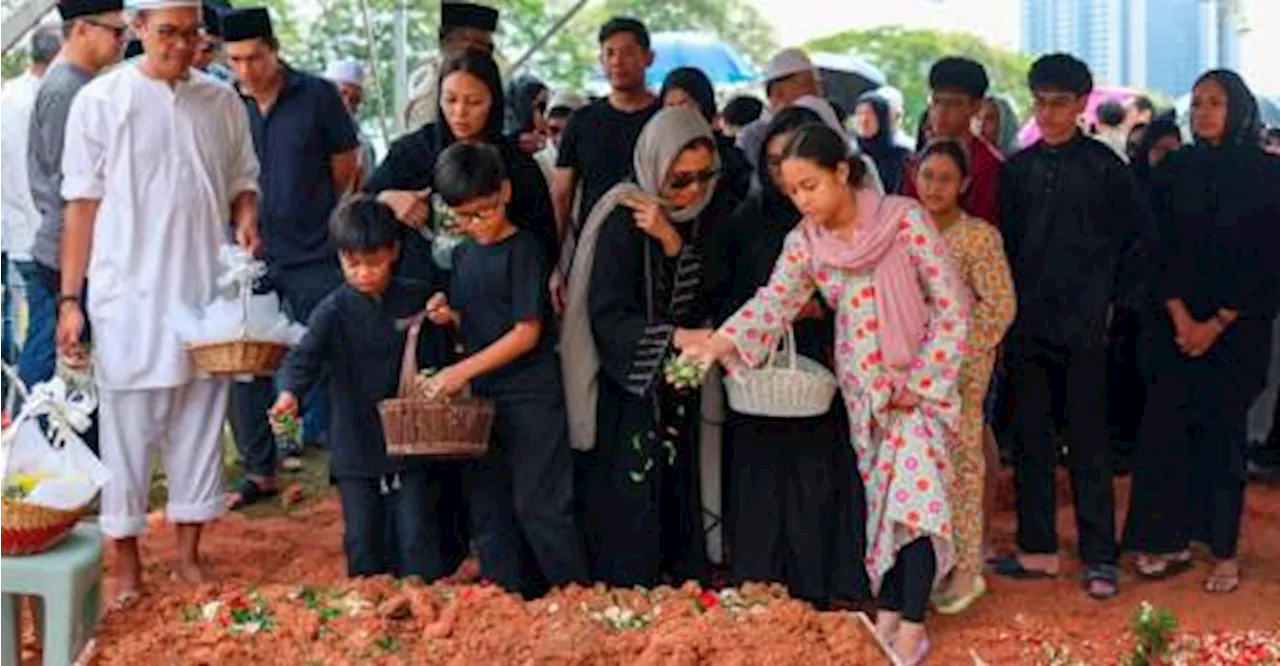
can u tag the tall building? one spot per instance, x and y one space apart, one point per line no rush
1155 44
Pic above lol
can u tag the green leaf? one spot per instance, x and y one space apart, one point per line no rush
636 477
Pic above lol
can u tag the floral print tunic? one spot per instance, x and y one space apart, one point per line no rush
902 454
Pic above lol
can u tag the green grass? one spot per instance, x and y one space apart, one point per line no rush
313 478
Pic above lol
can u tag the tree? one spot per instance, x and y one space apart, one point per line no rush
736 22
906 55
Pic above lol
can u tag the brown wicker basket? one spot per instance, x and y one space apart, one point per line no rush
417 426
238 357
28 529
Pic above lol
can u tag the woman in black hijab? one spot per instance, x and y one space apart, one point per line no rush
874 129
688 86
471 109
1207 336
792 491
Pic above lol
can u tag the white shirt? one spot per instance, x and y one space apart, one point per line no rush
165 164
17 210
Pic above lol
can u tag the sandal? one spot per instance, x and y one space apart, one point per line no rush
1105 574
948 605
249 493
290 457
1164 568
1010 566
1220 583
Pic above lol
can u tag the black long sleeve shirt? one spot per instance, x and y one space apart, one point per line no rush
1079 237
358 341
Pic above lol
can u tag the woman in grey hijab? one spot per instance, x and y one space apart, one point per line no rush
634 300
997 122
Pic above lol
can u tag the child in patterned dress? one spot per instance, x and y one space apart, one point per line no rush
978 251
901 320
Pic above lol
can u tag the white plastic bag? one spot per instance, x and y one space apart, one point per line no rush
69 474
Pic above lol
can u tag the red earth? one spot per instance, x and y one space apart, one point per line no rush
1017 623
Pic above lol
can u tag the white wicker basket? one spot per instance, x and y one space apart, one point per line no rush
787 386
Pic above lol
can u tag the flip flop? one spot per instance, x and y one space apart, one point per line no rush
1010 566
957 605
1172 568
1106 574
1232 583
250 493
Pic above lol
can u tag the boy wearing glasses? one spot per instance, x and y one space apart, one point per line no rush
522 493
1078 238
957 87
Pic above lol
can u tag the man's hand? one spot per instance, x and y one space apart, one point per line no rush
286 405
248 239
446 383
1199 337
70 328
439 312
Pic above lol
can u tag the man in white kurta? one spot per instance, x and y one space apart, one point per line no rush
158 157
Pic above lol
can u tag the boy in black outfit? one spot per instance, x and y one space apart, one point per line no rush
522 493
356 336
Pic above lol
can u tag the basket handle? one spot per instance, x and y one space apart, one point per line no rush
788 346
409 362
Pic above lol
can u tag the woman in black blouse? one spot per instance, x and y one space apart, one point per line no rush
1208 336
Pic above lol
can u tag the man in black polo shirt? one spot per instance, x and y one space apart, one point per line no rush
595 149
308 150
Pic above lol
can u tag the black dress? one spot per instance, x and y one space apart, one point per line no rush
795 503
1220 248
640 486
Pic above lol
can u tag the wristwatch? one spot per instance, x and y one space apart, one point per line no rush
68 298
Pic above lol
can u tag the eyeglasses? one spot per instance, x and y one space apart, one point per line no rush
171 34
1053 100
478 214
117 31
682 181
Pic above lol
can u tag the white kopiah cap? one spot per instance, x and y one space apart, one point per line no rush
348 72
787 62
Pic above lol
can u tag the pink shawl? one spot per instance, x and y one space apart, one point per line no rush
876 246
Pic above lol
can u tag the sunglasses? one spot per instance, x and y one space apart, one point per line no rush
682 181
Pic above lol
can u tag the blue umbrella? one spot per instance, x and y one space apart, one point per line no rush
722 63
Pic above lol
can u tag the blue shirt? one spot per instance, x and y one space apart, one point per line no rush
295 141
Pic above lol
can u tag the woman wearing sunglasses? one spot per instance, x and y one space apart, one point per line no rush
635 298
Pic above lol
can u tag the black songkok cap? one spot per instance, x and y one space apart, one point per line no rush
70 9
239 25
468 15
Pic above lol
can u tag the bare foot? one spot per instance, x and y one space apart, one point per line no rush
128 572
192 573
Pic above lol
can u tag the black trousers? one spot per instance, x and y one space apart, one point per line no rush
1049 380
907 585
389 525
1126 389
1189 471
300 288
522 499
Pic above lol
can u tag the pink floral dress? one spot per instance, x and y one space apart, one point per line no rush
902 455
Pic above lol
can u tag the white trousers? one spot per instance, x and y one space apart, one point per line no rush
184 425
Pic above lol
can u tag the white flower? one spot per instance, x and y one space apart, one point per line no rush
210 610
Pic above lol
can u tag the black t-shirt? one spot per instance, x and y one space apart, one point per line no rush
493 287
598 144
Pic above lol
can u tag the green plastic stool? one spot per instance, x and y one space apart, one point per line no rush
68 581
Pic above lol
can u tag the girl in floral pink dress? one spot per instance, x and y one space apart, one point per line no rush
901 322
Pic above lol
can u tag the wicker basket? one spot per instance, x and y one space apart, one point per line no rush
28 529
416 426
238 357
795 387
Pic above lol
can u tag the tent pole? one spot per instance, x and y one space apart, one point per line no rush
546 37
